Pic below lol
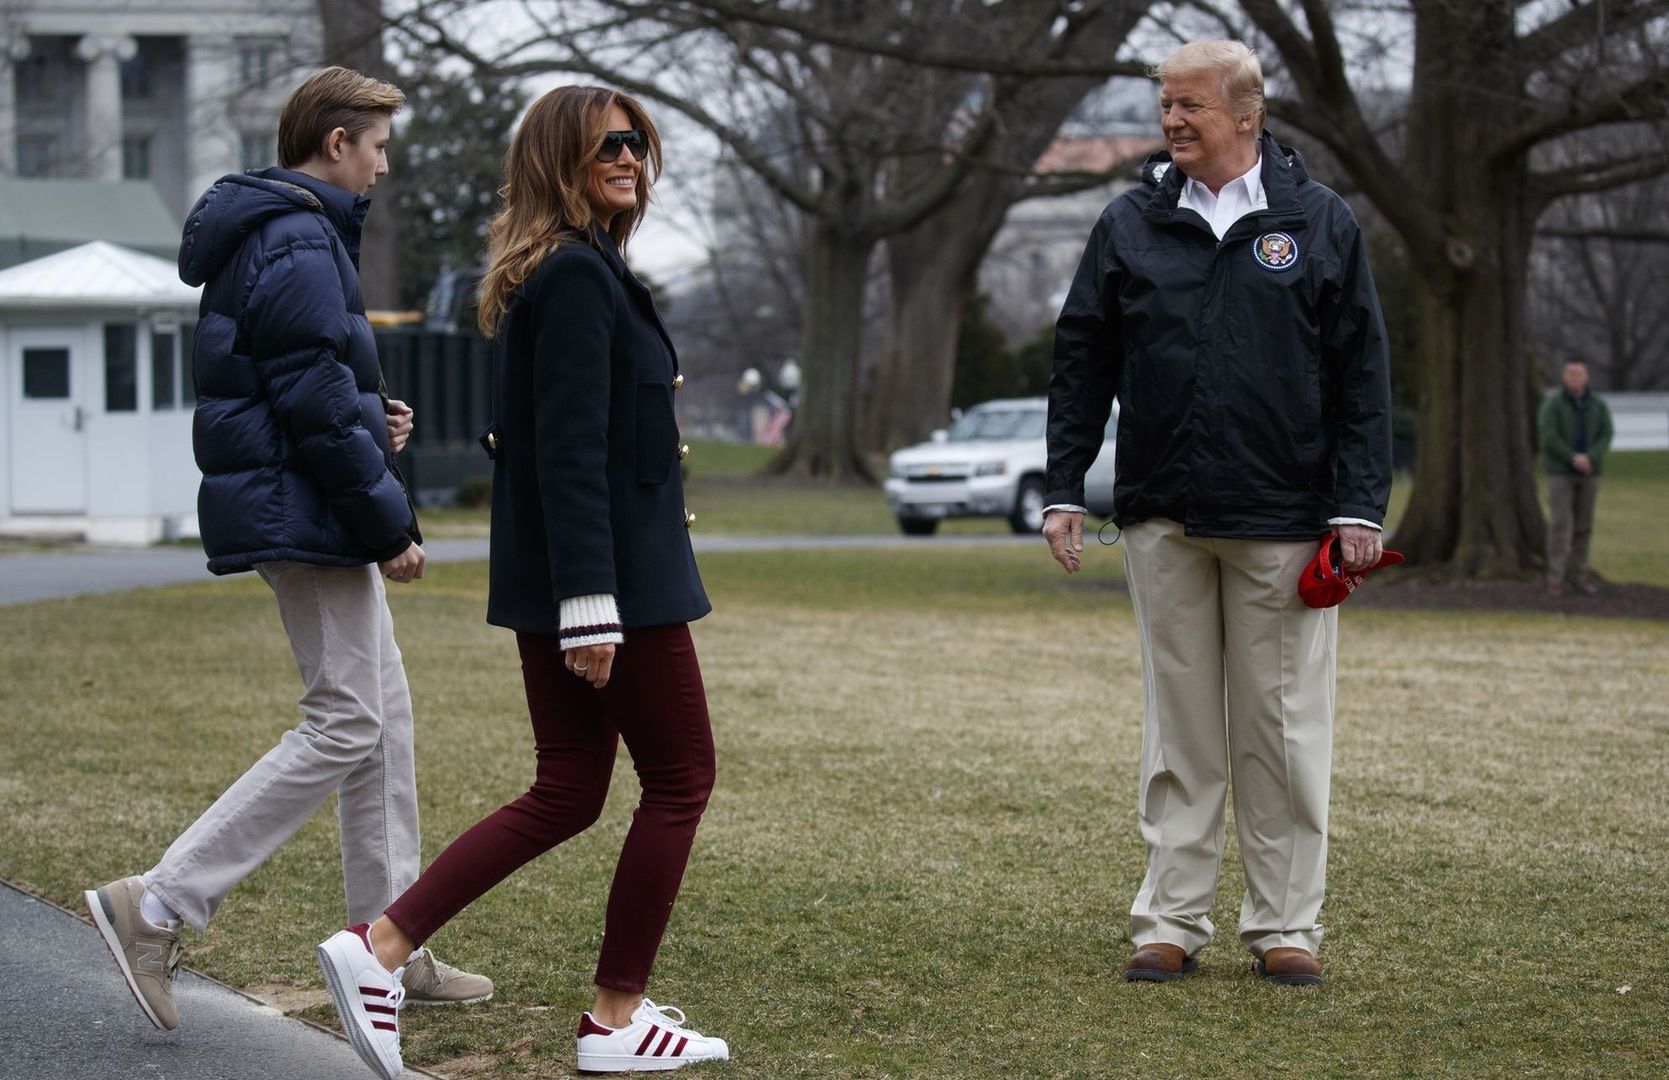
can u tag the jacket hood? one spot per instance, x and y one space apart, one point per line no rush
239 203
1157 171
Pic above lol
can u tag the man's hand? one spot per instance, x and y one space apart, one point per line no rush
1582 463
399 426
591 663
1361 546
1064 529
406 566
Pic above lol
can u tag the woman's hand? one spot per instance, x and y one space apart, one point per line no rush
591 663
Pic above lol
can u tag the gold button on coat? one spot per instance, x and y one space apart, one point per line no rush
683 451
678 382
689 518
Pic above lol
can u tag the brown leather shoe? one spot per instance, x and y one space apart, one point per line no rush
1159 962
1287 966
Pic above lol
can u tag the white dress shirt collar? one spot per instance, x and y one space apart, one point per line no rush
1239 197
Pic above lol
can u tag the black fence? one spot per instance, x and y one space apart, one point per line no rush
446 378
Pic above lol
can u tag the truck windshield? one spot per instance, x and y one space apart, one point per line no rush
999 424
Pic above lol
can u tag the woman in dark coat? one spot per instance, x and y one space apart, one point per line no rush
591 566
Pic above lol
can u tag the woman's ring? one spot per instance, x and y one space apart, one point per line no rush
579 668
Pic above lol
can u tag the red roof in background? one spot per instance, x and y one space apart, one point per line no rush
1096 153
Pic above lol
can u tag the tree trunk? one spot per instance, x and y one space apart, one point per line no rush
934 270
1474 511
823 442
913 380
353 37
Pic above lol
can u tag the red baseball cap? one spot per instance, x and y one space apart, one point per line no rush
1323 584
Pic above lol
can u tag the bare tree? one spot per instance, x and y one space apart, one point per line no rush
1500 90
934 266
848 74
1599 275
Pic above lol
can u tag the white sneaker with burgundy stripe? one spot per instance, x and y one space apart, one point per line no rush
367 997
653 1042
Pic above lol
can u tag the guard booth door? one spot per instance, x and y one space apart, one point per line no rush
48 445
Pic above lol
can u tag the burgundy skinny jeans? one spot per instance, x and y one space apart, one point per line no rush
654 700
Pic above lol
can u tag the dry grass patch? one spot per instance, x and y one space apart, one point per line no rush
923 841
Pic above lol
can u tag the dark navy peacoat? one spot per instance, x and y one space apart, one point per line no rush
587 493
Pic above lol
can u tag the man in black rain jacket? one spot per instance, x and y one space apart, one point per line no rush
1228 304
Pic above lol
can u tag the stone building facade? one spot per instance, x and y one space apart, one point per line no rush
178 92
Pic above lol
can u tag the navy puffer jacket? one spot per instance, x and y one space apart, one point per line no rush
290 430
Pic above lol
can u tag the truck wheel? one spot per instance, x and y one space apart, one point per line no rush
1027 518
916 526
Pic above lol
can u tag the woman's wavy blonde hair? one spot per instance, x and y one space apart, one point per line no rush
544 194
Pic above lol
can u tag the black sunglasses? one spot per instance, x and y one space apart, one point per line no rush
635 141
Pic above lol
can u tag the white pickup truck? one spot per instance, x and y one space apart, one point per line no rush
989 464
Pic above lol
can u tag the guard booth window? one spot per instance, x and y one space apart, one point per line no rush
165 366
171 377
121 367
46 374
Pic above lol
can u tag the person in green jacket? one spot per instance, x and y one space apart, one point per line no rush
1574 430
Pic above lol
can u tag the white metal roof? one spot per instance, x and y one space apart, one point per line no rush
95 275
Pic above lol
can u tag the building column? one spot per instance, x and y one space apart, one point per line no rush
14 46
211 140
104 54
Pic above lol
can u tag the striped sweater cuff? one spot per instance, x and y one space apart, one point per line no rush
590 620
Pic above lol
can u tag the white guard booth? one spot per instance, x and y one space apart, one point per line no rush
95 416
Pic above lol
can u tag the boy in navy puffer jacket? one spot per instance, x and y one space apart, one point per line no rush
296 441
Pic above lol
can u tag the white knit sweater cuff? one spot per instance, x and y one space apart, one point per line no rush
590 620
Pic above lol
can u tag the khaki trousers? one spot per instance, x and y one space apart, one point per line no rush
1570 524
354 742
1237 679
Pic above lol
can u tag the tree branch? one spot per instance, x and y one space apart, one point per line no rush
1331 113
1613 235
1583 24
1595 176
742 146
1645 99
866 42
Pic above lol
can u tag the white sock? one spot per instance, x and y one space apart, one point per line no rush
158 913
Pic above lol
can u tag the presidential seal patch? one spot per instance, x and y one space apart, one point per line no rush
1275 251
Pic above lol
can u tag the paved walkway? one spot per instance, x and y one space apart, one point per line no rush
69 1016
81 571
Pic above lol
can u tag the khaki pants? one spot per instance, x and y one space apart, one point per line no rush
355 742
1570 524
1237 678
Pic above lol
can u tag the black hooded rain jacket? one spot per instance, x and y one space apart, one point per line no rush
1252 373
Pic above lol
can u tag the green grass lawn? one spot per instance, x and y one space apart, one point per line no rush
922 845
1631 522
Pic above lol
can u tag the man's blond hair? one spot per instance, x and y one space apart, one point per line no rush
1232 63
336 97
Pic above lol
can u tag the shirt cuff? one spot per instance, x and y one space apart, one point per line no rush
590 620
1068 507
1355 521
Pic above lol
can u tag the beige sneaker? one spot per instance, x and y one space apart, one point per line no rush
430 982
146 953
